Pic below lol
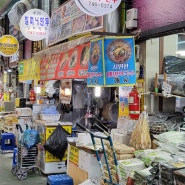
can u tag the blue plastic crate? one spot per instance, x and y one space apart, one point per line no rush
59 179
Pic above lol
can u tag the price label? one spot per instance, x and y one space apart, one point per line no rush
166 88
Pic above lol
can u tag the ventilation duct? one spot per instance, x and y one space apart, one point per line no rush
17 11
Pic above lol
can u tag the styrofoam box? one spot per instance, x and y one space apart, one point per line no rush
50 117
89 163
131 24
83 139
132 14
23 111
120 138
52 167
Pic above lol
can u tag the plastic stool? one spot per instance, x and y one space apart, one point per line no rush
59 179
7 145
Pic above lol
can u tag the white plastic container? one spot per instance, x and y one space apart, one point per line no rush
50 117
23 112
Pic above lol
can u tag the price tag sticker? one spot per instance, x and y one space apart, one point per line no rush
166 88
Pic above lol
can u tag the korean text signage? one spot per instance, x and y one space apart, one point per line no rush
34 24
119 58
29 70
9 45
66 65
112 62
68 20
97 7
124 100
95 65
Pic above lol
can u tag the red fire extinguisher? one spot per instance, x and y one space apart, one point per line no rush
32 95
134 104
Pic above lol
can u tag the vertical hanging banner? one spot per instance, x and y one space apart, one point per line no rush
21 70
95 65
119 61
123 100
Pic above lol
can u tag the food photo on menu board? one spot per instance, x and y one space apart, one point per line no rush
119 60
84 58
93 22
79 24
95 65
73 59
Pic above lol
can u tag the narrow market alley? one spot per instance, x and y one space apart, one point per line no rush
7 178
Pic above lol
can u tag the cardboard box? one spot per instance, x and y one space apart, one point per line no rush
52 167
131 24
76 173
132 14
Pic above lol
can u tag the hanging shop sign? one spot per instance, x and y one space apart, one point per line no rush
5 77
20 70
124 100
34 24
37 46
119 57
68 20
95 65
29 70
98 7
9 45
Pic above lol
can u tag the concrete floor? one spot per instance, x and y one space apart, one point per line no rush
7 178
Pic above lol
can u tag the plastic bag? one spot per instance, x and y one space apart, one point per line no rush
30 138
50 110
56 144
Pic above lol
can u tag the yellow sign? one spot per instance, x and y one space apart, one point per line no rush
6 96
9 45
5 77
17 102
73 154
29 70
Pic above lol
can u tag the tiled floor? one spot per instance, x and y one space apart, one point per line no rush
7 178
